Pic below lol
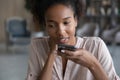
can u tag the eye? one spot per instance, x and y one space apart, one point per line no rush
66 22
51 25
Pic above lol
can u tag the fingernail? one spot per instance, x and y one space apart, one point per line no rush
62 51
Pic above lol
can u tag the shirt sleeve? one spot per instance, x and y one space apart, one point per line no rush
34 67
106 61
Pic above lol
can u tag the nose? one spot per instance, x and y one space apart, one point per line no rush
61 30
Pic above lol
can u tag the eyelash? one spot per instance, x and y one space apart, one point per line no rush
51 26
66 23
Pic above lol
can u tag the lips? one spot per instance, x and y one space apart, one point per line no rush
63 40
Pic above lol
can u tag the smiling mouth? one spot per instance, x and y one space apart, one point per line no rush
64 40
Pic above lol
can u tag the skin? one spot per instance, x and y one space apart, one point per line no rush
60 25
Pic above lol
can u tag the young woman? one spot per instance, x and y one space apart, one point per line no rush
90 61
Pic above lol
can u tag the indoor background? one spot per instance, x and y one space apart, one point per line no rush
101 18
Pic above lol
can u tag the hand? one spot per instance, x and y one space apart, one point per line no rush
80 56
52 46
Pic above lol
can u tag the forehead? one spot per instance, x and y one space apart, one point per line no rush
59 11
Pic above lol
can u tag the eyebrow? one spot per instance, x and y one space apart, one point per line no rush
67 18
54 21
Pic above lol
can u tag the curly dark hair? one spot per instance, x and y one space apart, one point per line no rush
39 7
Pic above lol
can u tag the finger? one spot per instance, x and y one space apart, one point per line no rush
74 54
70 53
64 54
67 56
52 45
56 47
61 53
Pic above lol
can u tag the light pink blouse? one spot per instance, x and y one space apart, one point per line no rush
38 56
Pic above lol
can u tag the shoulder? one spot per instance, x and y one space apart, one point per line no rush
38 42
91 40
39 39
91 43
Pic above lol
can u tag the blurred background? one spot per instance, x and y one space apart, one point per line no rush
101 18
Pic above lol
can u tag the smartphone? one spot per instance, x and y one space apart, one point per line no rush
66 47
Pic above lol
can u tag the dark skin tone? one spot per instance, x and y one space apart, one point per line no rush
60 25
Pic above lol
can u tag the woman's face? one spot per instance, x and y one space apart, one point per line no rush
61 24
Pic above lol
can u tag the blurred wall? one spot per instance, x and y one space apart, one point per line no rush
10 8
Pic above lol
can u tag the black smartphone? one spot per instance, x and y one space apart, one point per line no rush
66 47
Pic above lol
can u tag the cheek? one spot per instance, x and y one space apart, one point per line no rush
71 31
51 32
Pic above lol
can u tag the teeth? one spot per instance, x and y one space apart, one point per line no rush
63 39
